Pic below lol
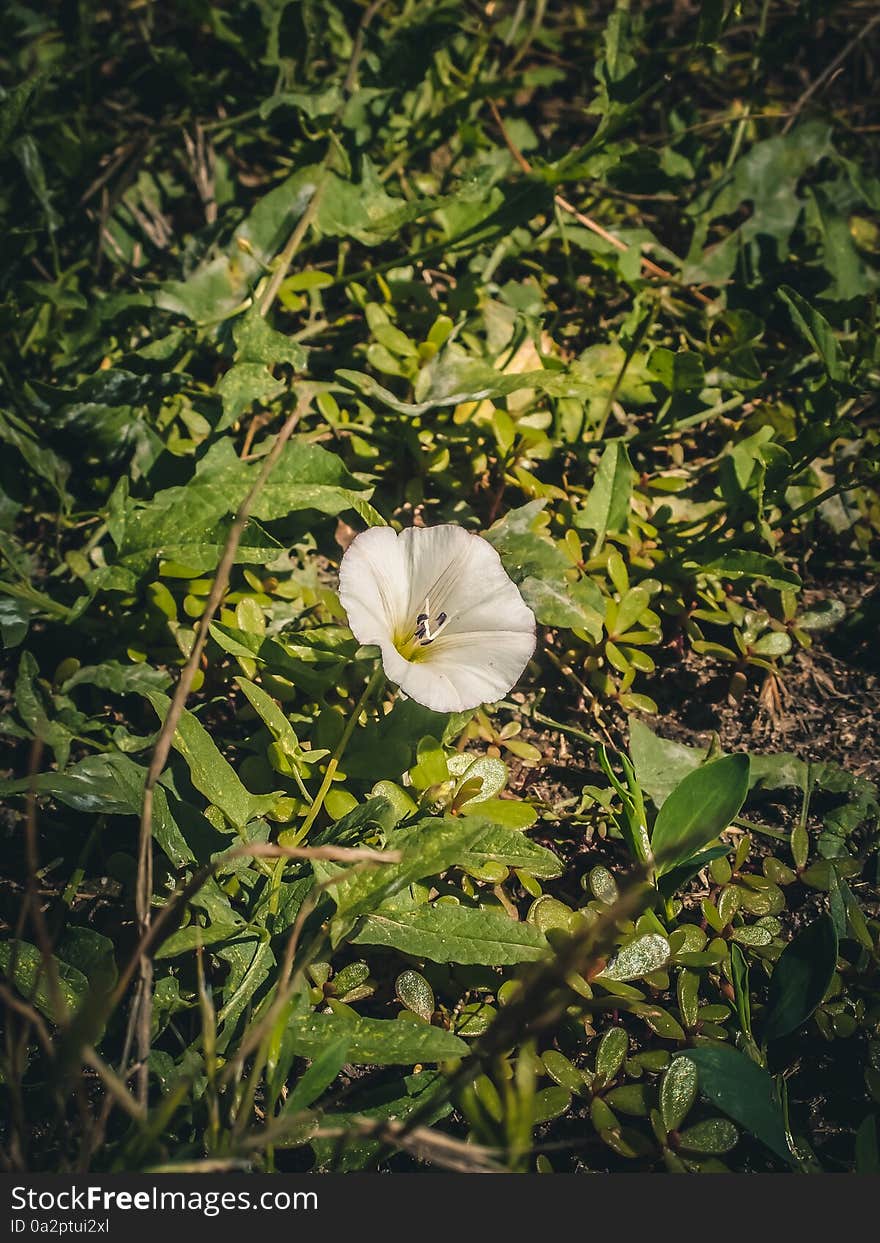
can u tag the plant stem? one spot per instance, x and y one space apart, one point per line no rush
338 752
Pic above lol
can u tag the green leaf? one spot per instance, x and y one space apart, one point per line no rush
374 1042
553 604
428 848
510 847
754 565
414 991
815 329
29 702
678 372
286 754
366 211
189 524
678 1091
209 771
713 1135
660 763
424 1092
673 880
257 342
611 1052
447 933
455 378
91 953
23 965
638 958
194 937
524 548
325 1066
800 978
110 785
39 457
744 1091
242 386
868 1147
220 285
698 809
112 675
607 507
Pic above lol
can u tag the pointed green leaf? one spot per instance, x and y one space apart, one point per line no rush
698 809
800 978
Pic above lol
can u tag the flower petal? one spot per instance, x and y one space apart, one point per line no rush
470 669
374 585
462 575
484 598
436 558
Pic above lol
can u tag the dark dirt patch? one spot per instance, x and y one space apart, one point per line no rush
827 710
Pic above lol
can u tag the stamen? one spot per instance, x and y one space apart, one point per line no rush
423 630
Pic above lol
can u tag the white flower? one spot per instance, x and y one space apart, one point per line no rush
453 629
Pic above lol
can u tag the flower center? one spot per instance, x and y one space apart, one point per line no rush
426 629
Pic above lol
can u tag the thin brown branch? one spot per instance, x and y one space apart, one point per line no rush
162 748
114 1084
27 1011
829 71
587 221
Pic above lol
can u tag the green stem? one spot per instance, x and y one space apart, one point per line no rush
338 751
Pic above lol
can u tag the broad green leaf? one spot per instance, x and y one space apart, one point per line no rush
446 933
456 378
189 524
365 210
221 284
510 847
110 784
40 458
257 342
800 978
660 763
252 963
755 565
31 709
677 877
423 1092
553 604
678 372
744 1091
91 953
523 546
210 772
23 964
428 848
112 675
698 809
195 937
243 385
814 327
